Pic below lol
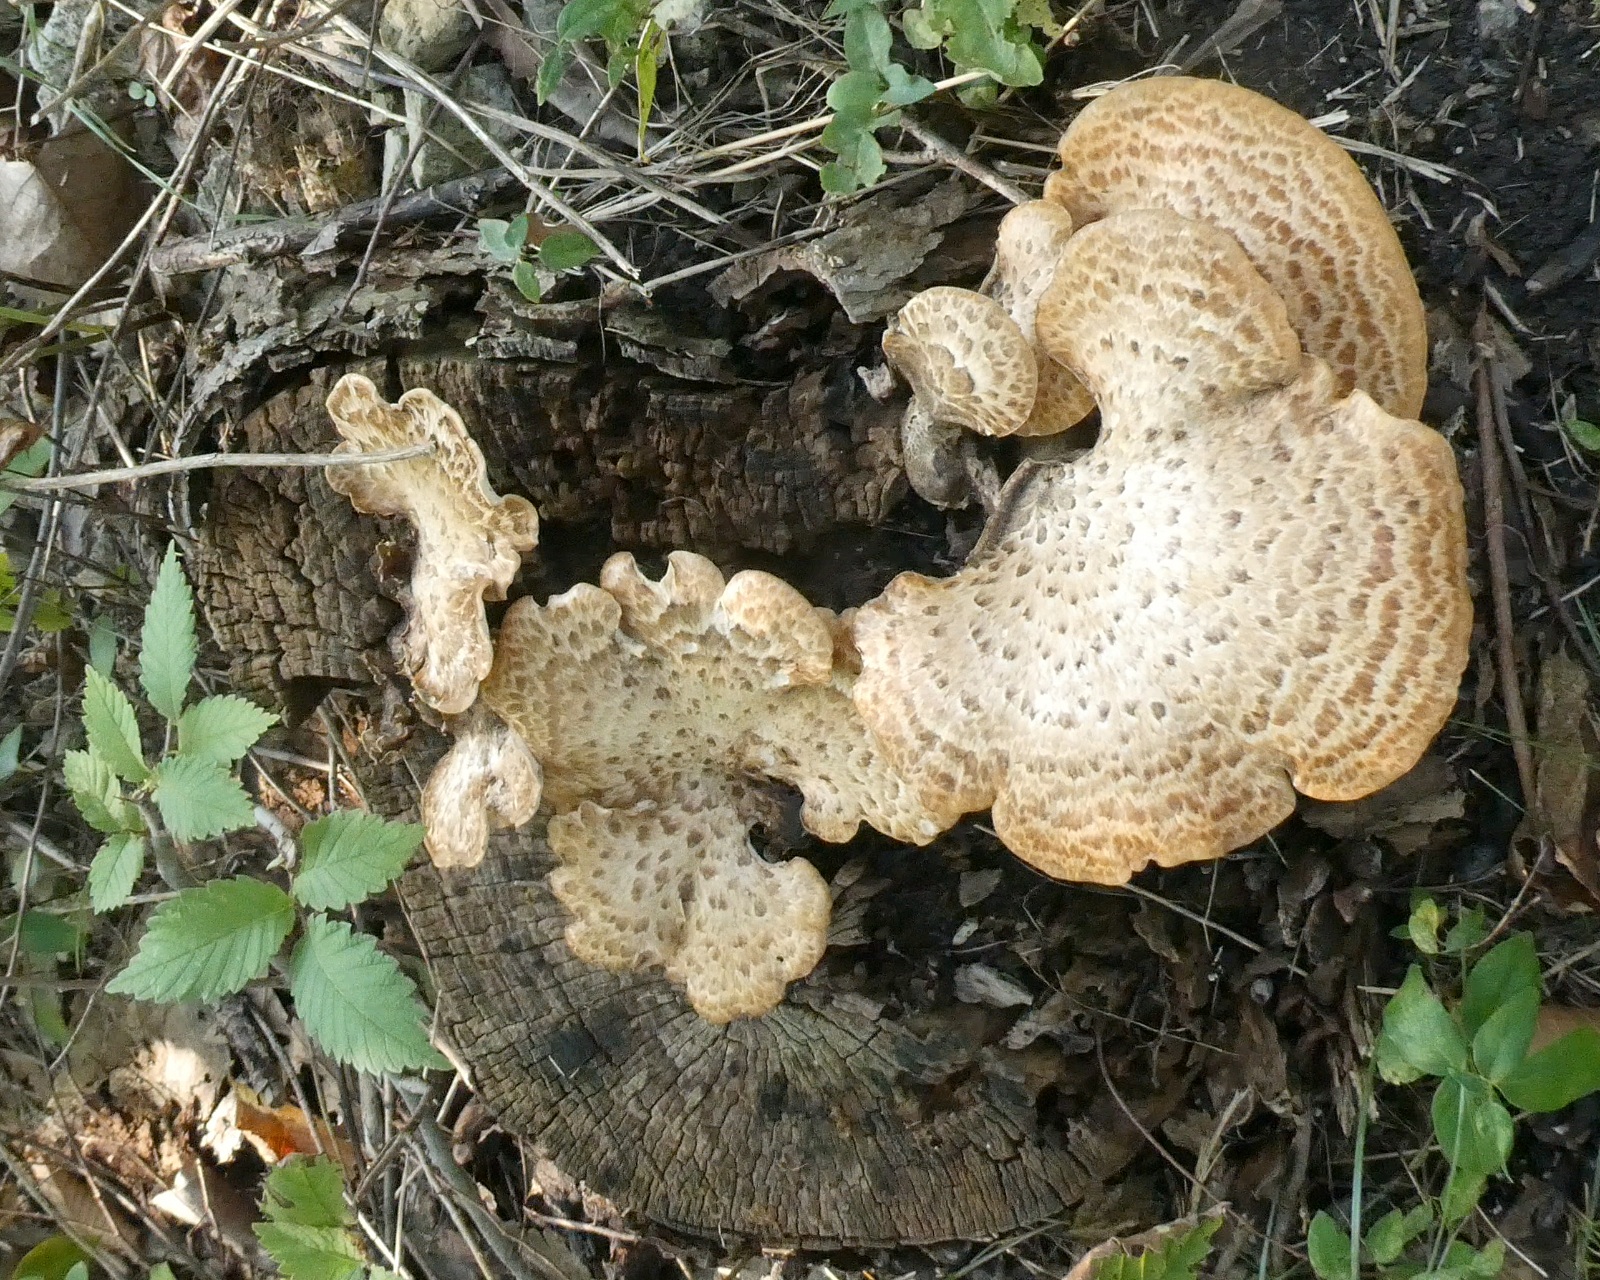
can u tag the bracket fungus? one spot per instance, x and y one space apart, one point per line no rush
654 710
1296 203
470 540
1253 580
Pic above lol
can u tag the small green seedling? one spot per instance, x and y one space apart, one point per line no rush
559 251
1480 1052
307 1227
209 941
1178 1255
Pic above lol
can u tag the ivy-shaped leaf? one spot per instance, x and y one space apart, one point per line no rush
208 942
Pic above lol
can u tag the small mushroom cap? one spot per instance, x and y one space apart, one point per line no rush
1251 584
965 358
1027 245
487 779
678 885
1288 193
470 540
655 709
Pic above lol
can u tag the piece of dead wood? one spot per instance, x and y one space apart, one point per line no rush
446 202
1565 807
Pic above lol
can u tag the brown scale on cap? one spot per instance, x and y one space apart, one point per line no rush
1254 582
470 540
1290 195
654 709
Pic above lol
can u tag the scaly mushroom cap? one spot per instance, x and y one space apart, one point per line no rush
967 361
1249 582
1289 194
487 779
653 709
1027 245
469 539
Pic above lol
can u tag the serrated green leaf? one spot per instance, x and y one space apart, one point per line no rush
552 70
1558 1075
1473 1127
1419 1032
356 1003
1506 971
102 645
565 250
112 728
221 729
115 870
96 793
307 1192
198 799
310 1253
208 942
167 643
1501 1043
10 753
1328 1245
350 855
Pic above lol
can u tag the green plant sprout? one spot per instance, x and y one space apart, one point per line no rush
48 613
1480 1052
992 36
559 251
635 35
308 1229
1177 1257
209 940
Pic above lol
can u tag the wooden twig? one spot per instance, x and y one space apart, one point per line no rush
1494 530
205 461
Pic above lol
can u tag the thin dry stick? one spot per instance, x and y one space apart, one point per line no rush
203 461
1494 528
948 153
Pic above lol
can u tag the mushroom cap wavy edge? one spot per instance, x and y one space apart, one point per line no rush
1253 583
470 540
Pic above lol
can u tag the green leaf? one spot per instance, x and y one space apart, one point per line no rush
102 645
96 793
646 65
1461 1195
1328 1245
30 462
307 1192
161 1271
350 855
112 728
10 753
1467 932
526 279
1583 434
46 934
356 1003
1508 970
221 729
198 800
208 942
1501 1043
1419 1033
565 250
856 95
867 39
167 644
1473 1127
1390 1234
1423 926
115 870
919 31
552 70
310 1253
494 240
1558 1075
903 89
52 1259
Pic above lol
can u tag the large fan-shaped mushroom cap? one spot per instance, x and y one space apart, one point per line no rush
1252 583
1291 196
